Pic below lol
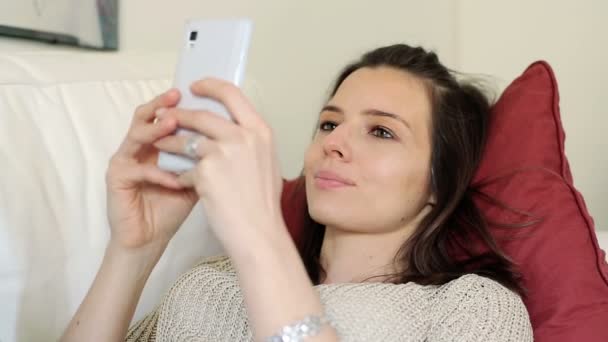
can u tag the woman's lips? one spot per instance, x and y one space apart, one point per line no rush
330 180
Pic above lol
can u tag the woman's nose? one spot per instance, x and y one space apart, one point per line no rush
336 143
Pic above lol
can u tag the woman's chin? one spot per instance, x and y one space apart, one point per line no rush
325 213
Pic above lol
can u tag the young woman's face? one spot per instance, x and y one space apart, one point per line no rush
375 134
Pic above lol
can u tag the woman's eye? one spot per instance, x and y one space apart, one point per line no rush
327 126
378 131
382 133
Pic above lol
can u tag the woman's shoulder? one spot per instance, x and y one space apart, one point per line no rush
486 309
209 274
204 298
473 287
210 277
217 268
481 293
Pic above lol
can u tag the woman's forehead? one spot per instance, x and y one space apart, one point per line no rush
386 89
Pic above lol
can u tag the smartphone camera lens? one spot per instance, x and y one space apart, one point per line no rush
193 35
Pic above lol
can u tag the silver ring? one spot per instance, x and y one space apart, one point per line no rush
191 147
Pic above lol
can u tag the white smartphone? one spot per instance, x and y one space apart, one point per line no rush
210 48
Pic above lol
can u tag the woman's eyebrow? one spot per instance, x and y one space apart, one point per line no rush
372 112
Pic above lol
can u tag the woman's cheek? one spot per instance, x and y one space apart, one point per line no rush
388 166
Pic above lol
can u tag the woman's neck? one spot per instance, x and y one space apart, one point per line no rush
351 257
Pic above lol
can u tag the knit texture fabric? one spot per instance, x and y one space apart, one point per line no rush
206 304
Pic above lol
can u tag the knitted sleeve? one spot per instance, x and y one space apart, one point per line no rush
476 308
144 330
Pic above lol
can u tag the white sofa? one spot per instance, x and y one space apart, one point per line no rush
62 114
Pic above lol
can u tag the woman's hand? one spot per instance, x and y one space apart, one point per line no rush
239 183
238 177
145 208
146 205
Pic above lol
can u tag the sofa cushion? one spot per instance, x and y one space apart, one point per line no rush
525 167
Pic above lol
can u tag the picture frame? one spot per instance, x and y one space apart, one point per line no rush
85 23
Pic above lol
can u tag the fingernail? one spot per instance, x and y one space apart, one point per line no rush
160 112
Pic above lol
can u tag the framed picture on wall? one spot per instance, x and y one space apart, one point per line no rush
86 23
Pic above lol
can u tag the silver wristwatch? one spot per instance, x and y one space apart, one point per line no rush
297 332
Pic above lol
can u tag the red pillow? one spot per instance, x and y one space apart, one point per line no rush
524 166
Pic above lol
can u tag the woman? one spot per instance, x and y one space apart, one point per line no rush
387 183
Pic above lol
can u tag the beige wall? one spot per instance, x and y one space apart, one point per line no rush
299 46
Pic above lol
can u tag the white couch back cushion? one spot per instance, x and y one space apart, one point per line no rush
62 115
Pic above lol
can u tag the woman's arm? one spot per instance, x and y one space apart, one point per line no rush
275 284
146 206
108 307
239 169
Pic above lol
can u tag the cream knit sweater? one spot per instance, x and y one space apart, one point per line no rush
205 304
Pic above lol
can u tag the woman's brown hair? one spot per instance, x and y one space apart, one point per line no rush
460 116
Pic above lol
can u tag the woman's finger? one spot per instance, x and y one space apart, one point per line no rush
145 134
190 145
187 179
152 174
145 112
239 107
206 123
133 173
142 130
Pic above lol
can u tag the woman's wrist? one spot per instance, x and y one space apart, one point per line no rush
137 260
268 232
276 286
